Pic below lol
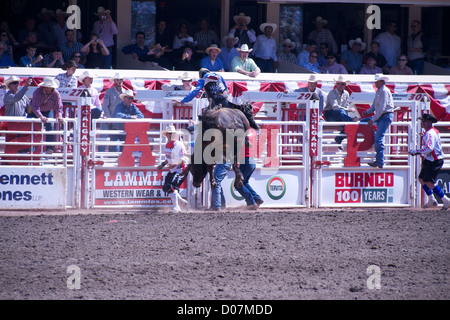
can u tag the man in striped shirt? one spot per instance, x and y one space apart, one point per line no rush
433 160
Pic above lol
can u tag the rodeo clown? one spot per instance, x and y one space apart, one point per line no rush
217 92
433 160
176 159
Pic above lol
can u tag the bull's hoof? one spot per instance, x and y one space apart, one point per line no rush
213 185
239 184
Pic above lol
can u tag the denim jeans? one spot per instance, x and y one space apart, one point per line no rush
247 191
383 124
217 197
48 127
337 116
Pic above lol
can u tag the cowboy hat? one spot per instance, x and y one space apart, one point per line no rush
225 39
313 78
170 129
49 83
242 15
357 40
380 76
12 79
211 47
117 76
428 117
127 93
185 76
244 48
86 74
289 42
341 79
319 19
101 11
263 26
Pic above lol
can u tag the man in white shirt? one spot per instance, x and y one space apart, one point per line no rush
390 44
265 48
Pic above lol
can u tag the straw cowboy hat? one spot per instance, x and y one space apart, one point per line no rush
290 43
49 83
263 26
211 47
101 11
185 76
313 78
170 129
118 75
357 40
319 19
244 48
225 39
380 76
86 74
242 15
127 93
341 79
12 79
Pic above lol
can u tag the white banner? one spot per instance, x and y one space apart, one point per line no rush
32 188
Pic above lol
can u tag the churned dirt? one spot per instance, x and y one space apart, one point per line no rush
267 254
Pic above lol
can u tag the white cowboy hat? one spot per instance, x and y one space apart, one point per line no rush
244 48
185 76
189 42
213 46
380 76
170 129
127 93
86 74
341 78
49 83
101 10
319 19
289 42
357 40
313 78
12 79
117 76
225 39
263 26
242 15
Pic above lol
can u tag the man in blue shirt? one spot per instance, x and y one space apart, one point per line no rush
312 64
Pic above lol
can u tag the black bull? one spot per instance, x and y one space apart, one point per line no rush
231 126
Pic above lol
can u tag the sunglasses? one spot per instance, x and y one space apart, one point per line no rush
4 35
15 83
401 59
413 26
328 58
341 83
77 56
287 46
313 56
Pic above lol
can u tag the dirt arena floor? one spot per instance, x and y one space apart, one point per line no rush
263 255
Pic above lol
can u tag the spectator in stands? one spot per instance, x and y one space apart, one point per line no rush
54 59
243 64
16 102
157 57
95 50
303 56
321 35
418 44
182 37
352 59
212 62
265 48
401 67
47 103
312 64
338 105
324 49
60 27
4 38
87 78
30 26
287 54
241 31
67 79
105 28
187 60
228 51
5 59
30 59
45 29
370 67
375 52
332 66
163 36
125 110
383 115
4 27
186 84
70 46
76 56
205 37
390 44
138 49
